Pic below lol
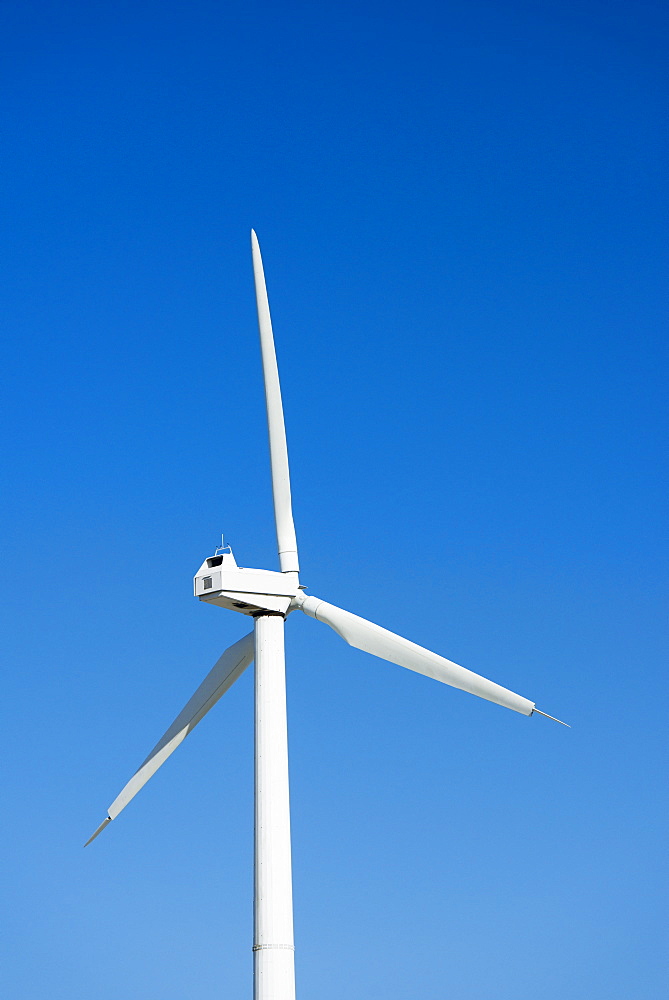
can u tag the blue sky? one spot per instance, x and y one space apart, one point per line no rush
463 220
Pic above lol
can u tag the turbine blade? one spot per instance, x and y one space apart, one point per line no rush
278 449
380 642
222 676
99 830
552 718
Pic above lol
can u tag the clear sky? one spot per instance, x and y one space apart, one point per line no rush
462 210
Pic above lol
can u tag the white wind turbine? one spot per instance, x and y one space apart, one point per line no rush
268 597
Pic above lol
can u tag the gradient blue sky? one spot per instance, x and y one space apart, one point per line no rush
462 210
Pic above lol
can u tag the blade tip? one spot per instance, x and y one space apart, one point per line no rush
552 717
98 831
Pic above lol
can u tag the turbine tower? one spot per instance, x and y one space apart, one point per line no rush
268 597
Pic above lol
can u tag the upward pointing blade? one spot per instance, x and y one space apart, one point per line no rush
380 642
278 449
222 676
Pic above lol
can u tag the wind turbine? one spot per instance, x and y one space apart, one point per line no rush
269 597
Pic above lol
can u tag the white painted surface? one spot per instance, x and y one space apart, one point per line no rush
220 678
278 449
380 642
246 581
221 581
273 946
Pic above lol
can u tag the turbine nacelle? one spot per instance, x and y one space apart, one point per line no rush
221 581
